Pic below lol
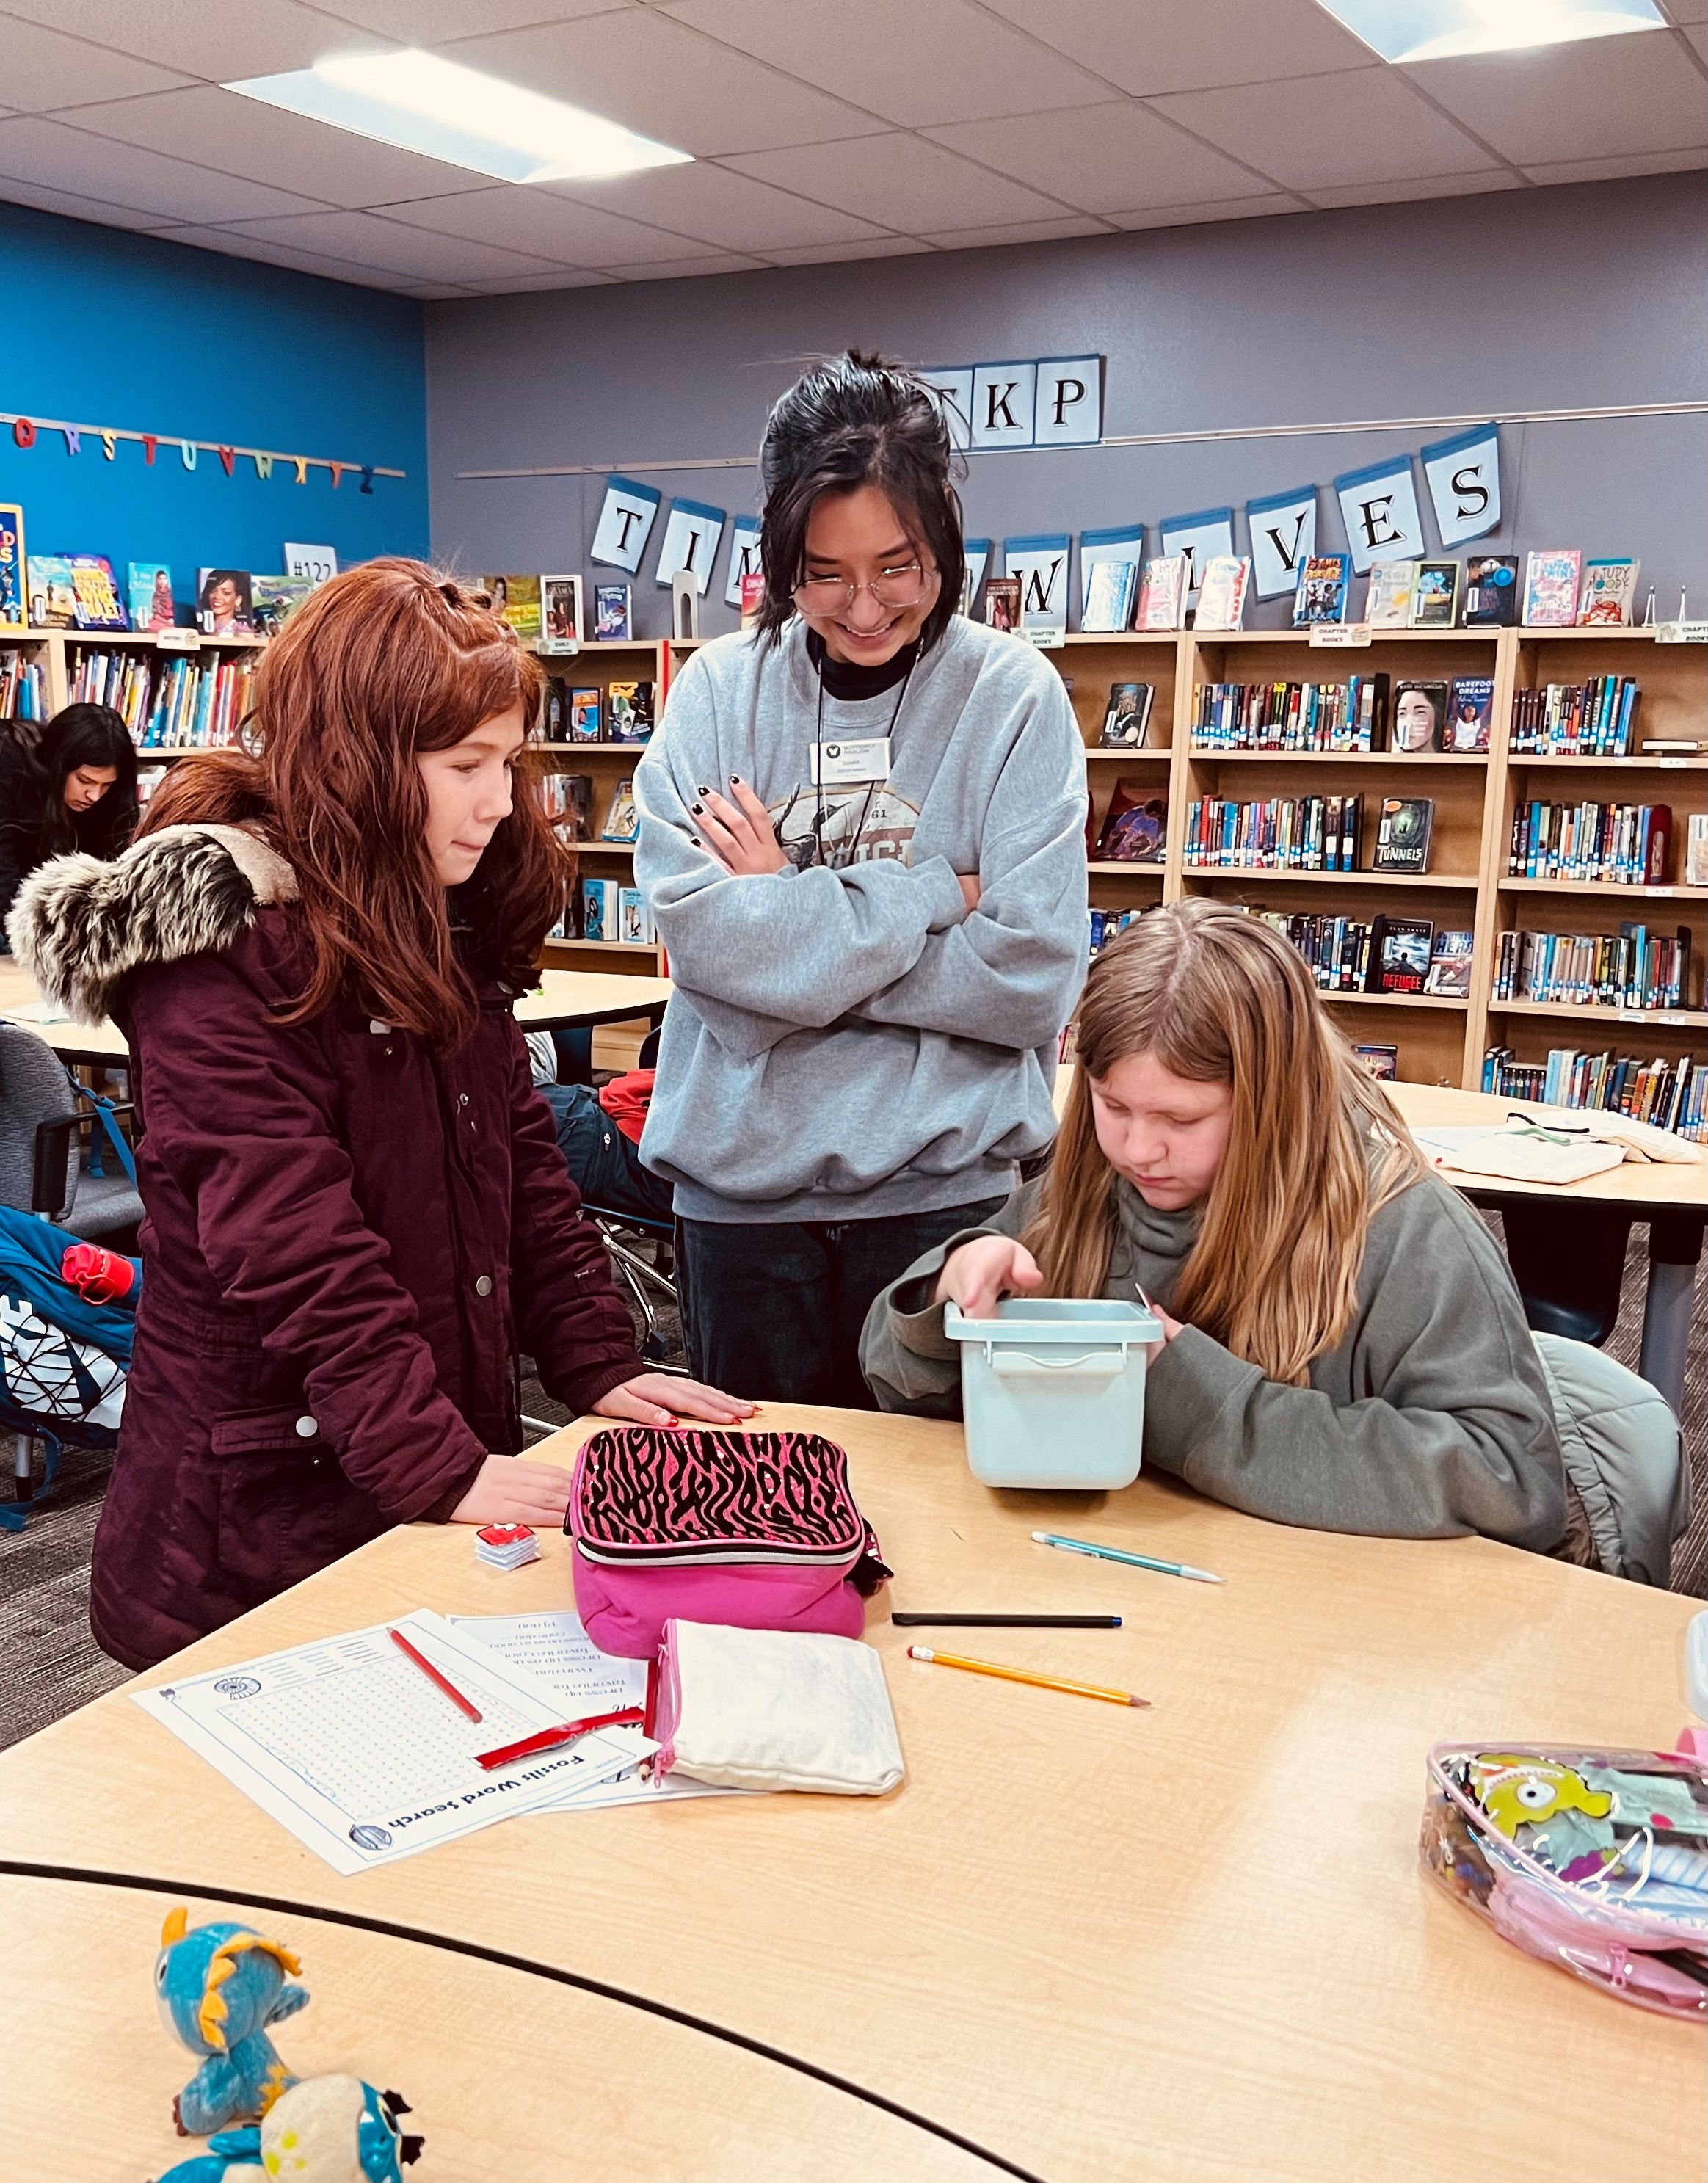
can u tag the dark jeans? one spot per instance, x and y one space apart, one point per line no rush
773 1310
603 1165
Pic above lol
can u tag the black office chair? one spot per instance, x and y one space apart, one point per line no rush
1569 1264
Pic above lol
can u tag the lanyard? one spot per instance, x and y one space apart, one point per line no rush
819 769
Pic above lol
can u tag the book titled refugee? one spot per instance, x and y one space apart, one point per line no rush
1398 955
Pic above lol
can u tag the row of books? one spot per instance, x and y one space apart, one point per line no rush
549 611
1388 955
1576 719
1633 967
607 910
1615 844
621 712
1279 833
179 701
1673 1095
22 687
1291 716
124 680
80 591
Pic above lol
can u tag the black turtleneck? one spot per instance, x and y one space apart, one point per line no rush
846 680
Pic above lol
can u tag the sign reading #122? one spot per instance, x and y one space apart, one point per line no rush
1047 401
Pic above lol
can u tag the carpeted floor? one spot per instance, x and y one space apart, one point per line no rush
53 1665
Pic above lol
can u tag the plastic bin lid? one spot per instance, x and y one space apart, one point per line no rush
1076 1319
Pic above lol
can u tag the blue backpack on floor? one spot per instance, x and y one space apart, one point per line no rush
62 1360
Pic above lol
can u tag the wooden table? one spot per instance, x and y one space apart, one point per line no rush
1103 1945
509 2073
565 998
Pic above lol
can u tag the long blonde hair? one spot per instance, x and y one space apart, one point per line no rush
1314 1147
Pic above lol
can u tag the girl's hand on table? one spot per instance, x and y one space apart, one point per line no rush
737 830
980 1273
508 1489
658 1398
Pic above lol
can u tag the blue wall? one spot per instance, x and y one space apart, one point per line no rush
104 327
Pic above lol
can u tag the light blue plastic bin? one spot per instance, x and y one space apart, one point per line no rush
1053 1392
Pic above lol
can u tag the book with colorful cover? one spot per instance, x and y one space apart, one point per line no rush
623 820
224 601
1128 720
1163 592
613 621
1388 600
1449 966
584 707
14 598
274 599
599 909
1321 592
1222 592
515 600
52 596
560 613
1609 593
1002 601
96 603
1398 955
633 918
1380 1057
1435 599
1552 579
1470 714
631 712
1402 839
1109 595
1491 591
1135 831
152 605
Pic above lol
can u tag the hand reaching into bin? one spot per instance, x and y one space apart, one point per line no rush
990 1267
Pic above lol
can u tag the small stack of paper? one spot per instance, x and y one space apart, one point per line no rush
506 1546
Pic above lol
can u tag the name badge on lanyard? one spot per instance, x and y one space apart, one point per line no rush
845 762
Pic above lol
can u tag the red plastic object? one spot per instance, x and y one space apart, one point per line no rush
102 1276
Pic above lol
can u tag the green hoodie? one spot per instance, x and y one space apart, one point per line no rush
1430 1417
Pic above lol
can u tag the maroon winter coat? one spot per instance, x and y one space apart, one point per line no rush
346 1243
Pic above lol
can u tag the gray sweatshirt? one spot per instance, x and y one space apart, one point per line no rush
846 1041
1431 1416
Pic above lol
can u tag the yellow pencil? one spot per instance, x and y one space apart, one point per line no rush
1024 1676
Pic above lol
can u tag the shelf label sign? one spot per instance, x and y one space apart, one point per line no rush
177 640
1682 632
1339 636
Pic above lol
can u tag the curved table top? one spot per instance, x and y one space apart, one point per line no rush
1100 1943
509 2075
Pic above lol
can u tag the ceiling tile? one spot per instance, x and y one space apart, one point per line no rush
214 39
901 182
1329 130
666 81
554 229
690 269
1147 50
436 22
268 252
962 65
1025 230
1613 170
391 246
844 254
1603 99
49 152
567 276
1102 157
1431 186
78 207
1199 215
714 204
242 136
43 68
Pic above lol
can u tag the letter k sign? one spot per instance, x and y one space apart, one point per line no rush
1003 398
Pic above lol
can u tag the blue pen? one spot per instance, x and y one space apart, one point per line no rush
1133 1561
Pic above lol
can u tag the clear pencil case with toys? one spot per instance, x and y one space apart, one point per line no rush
1596 1861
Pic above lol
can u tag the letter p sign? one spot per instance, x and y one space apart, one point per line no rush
1069 408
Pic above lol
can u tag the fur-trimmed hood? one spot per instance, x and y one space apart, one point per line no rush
79 925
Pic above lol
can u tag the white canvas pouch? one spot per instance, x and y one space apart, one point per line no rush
775 1709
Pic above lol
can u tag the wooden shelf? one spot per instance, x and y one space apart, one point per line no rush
1348 655
1331 878
1162 757
1609 889
635 750
1424 759
1516 759
100 638
1123 868
629 949
1448 1001
603 849
1599 1012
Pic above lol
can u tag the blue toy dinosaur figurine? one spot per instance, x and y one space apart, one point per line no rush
324 2129
218 1988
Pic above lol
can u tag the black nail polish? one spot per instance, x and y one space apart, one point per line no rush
704 790
734 780
695 808
696 841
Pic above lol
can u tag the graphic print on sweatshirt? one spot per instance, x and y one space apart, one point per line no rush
842 827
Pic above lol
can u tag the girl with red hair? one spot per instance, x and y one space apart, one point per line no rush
358 1217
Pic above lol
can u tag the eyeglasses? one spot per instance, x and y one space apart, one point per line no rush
906 586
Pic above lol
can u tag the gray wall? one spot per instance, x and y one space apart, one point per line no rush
1573 296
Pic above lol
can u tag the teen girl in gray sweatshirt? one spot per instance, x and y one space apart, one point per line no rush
862 839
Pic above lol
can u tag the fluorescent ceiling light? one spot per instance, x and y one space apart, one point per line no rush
432 106
1439 29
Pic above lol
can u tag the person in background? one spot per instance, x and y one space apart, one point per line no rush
73 787
1343 1344
860 838
357 1214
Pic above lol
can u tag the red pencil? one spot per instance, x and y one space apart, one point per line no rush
433 1675
548 1739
